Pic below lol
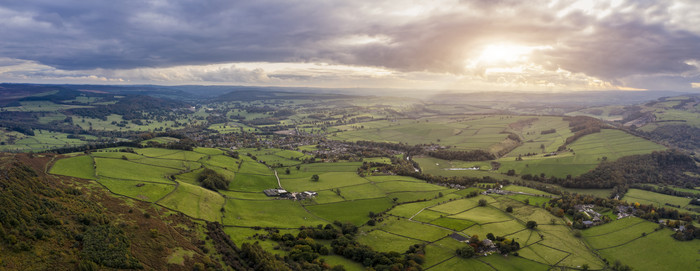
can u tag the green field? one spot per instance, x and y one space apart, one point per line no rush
588 152
41 140
460 205
253 182
79 166
122 169
139 190
452 223
601 193
402 197
195 201
517 188
611 234
270 213
327 180
362 191
534 140
222 162
415 230
466 132
656 199
385 241
345 196
232 127
356 212
622 240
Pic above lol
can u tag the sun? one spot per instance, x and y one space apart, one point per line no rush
501 53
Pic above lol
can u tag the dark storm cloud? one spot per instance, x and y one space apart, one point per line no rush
632 39
618 47
128 34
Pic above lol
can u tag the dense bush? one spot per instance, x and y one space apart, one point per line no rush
108 245
209 179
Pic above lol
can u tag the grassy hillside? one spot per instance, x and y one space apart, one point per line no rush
55 222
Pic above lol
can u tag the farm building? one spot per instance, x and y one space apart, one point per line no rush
459 237
275 192
309 194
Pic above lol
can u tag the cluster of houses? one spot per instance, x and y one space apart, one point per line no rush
500 191
593 218
624 211
284 194
486 246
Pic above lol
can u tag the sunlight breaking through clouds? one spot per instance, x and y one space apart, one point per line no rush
460 45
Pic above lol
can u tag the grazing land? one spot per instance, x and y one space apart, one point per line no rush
397 176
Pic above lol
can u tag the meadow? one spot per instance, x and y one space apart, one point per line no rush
40 141
79 166
463 132
656 199
586 153
623 240
416 212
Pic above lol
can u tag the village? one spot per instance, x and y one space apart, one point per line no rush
284 194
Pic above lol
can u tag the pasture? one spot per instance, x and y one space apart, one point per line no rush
195 201
587 152
79 166
356 212
327 180
656 199
463 132
601 193
622 240
123 169
149 192
385 241
41 140
253 182
415 230
344 196
268 213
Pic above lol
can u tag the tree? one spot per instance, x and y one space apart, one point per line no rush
474 239
577 233
465 252
509 209
315 178
490 236
298 167
287 171
531 224
482 202
211 180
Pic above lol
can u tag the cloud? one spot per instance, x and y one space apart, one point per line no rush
616 42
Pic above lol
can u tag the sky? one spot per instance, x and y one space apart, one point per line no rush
468 45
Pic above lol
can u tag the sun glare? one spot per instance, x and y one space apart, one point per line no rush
504 53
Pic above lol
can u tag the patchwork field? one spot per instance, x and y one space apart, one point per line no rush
656 199
464 132
622 240
40 141
587 153
417 212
